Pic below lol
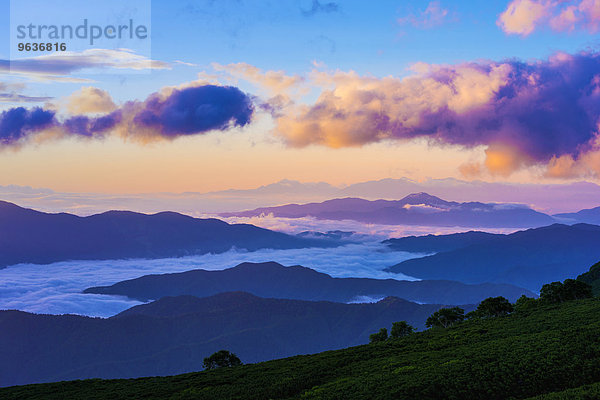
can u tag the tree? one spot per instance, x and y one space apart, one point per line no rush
592 277
570 289
494 307
380 336
445 317
552 292
575 290
220 359
400 329
525 303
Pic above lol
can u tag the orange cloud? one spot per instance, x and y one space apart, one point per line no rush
471 170
520 111
504 160
354 110
433 15
90 100
274 82
522 17
567 166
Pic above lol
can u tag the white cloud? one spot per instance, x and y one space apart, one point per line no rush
56 288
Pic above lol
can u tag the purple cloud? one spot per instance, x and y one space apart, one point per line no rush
524 112
86 126
18 122
189 111
195 110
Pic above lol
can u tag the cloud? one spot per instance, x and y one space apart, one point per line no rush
58 66
319 7
434 15
523 113
471 170
56 288
163 115
187 64
19 98
192 110
90 127
11 93
89 99
522 17
17 123
274 82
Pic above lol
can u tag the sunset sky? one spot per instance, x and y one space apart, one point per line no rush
238 94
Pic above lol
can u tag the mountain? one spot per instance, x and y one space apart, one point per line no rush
587 216
174 334
553 198
438 243
337 235
544 350
592 277
527 258
274 280
414 209
28 236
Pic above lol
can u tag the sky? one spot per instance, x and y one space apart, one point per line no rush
238 94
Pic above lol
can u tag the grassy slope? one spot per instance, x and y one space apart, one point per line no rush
585 392
548 349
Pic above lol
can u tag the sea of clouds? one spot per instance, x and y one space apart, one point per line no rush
56 288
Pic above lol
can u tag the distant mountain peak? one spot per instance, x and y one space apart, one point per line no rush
262 265
419 208
393 300
423 198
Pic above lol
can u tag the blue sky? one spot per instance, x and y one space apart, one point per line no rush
367 38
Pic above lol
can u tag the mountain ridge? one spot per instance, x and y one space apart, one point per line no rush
273 280
174 334
535 351
527 258
414 209
30 236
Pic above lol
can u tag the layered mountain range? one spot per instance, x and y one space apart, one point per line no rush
414 209
526 258
174 334
271 279
29 236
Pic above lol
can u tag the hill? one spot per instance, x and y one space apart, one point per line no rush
437 243
592 277
527 258
587 216
271 279
28 236
551 348
174 334
414 209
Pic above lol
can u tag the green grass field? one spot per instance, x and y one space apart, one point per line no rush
546 349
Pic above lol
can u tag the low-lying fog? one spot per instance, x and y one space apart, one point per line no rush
56 288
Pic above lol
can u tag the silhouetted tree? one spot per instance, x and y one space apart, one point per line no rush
220 359
380 336
592 278
525 303
494 307
570 289
445 317
401 328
